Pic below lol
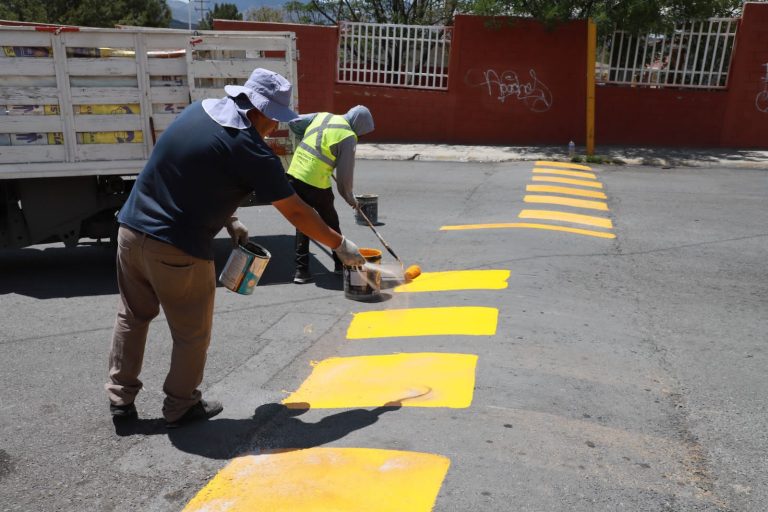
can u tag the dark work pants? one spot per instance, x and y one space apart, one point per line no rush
321 199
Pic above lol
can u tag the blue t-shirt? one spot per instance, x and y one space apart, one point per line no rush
197 175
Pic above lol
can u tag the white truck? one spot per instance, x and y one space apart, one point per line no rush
81 109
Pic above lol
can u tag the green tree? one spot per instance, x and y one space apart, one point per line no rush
264 13
22 10
89 13
220 12
630 15
411 12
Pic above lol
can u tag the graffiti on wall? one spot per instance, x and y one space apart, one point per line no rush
533 93
761 102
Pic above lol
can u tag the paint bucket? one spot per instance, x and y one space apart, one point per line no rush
244 267
362 283
369 204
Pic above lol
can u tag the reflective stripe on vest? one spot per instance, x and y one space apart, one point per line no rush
313 162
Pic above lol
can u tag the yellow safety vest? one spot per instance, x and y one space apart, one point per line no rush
313 162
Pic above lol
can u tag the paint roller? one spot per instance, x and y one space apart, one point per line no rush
411 272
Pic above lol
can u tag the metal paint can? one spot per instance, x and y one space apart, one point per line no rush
244 267
361 283
369 204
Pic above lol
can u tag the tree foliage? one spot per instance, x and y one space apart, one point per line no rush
264 13
89 13
410 12
222 11
630 15
608 14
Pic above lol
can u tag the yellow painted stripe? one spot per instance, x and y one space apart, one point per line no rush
457 280
566 190
325 479
410 380
575 174
578 218
528 225
567 201
469 320
569 181
564 165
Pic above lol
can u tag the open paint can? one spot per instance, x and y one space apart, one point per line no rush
244 267
361 283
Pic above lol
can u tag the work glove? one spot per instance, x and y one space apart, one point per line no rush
238 232
349 254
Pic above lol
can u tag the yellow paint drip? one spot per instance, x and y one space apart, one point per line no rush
411 380
529 225
577 218
568 181
457 280
469 320
565 165
325 480
566 190
574 174
567 201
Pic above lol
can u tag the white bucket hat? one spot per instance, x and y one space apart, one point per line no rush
267 91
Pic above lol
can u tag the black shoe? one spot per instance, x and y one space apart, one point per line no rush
302 277
202 410
123 411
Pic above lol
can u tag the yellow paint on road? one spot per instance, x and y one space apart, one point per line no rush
566 190
411 380
457 280
564 165
569 181
324 480
577 218
574 174
467 320
529 225
567 201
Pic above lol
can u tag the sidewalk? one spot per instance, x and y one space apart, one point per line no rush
657 157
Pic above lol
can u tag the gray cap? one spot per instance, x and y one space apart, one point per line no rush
267 91
360 120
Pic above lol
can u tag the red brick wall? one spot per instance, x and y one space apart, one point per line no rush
494 98
744 124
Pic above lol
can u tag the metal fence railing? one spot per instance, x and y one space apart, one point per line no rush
695 55
394 55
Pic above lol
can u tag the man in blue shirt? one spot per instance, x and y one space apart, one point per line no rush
207 161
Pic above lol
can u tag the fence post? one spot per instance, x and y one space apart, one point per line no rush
591 58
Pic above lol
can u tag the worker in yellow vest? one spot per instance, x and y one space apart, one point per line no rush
328 142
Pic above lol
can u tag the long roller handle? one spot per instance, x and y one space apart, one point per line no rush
370 225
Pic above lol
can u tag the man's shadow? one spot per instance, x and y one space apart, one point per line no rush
273 426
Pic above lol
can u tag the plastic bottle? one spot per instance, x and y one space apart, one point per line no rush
571 149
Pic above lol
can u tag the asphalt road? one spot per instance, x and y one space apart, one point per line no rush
623 374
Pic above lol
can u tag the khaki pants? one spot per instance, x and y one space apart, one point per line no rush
151 274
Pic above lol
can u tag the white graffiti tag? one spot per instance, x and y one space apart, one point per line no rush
534 94
761 102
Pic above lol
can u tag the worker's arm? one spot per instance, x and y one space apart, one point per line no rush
306 220
345 169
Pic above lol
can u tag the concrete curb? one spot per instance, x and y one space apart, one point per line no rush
656 157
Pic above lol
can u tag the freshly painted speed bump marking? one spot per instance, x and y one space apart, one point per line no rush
325 479
577 218
457 280
467 320
567 201
569 181
574 174
547 163
566 190
529 225
408 379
